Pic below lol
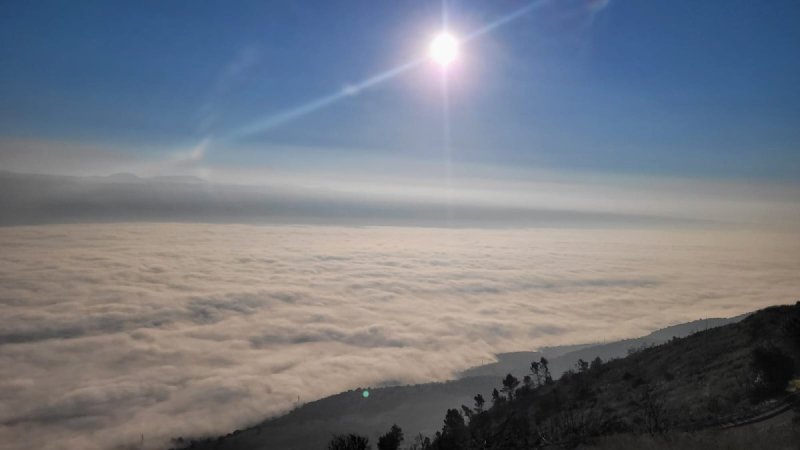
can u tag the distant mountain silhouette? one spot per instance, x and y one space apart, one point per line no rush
126 177
31 199
178 179
564 358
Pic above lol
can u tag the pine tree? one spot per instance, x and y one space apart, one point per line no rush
391 440
510 383
479 402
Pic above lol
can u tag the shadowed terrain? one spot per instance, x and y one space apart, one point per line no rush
418 408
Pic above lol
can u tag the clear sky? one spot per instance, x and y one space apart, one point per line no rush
680 87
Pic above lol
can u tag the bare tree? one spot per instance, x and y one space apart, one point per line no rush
569 428
421 442
348 442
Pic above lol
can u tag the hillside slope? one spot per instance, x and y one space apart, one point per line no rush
419 408
707 380
564 358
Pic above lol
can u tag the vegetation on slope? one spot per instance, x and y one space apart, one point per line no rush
673 395
701 382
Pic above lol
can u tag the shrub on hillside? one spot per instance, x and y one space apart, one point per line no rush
773 369
391 440
348 442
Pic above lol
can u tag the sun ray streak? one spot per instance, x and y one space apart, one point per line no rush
446 147
446 133
491 26
277 119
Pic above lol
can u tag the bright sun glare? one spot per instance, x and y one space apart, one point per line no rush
444 49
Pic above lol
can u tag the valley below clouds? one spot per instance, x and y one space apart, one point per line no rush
113 331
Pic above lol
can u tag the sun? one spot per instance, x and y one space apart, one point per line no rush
443 49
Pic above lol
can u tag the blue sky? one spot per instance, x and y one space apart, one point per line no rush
684 88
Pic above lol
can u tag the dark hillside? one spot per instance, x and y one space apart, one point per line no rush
564 358
310 426
602 399
705 380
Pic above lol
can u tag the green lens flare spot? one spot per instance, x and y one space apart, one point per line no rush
365 393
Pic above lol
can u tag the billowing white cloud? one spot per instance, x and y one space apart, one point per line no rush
108 332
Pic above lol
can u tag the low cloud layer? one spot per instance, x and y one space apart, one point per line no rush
109 332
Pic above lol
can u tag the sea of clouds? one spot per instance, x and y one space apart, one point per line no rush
111 332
